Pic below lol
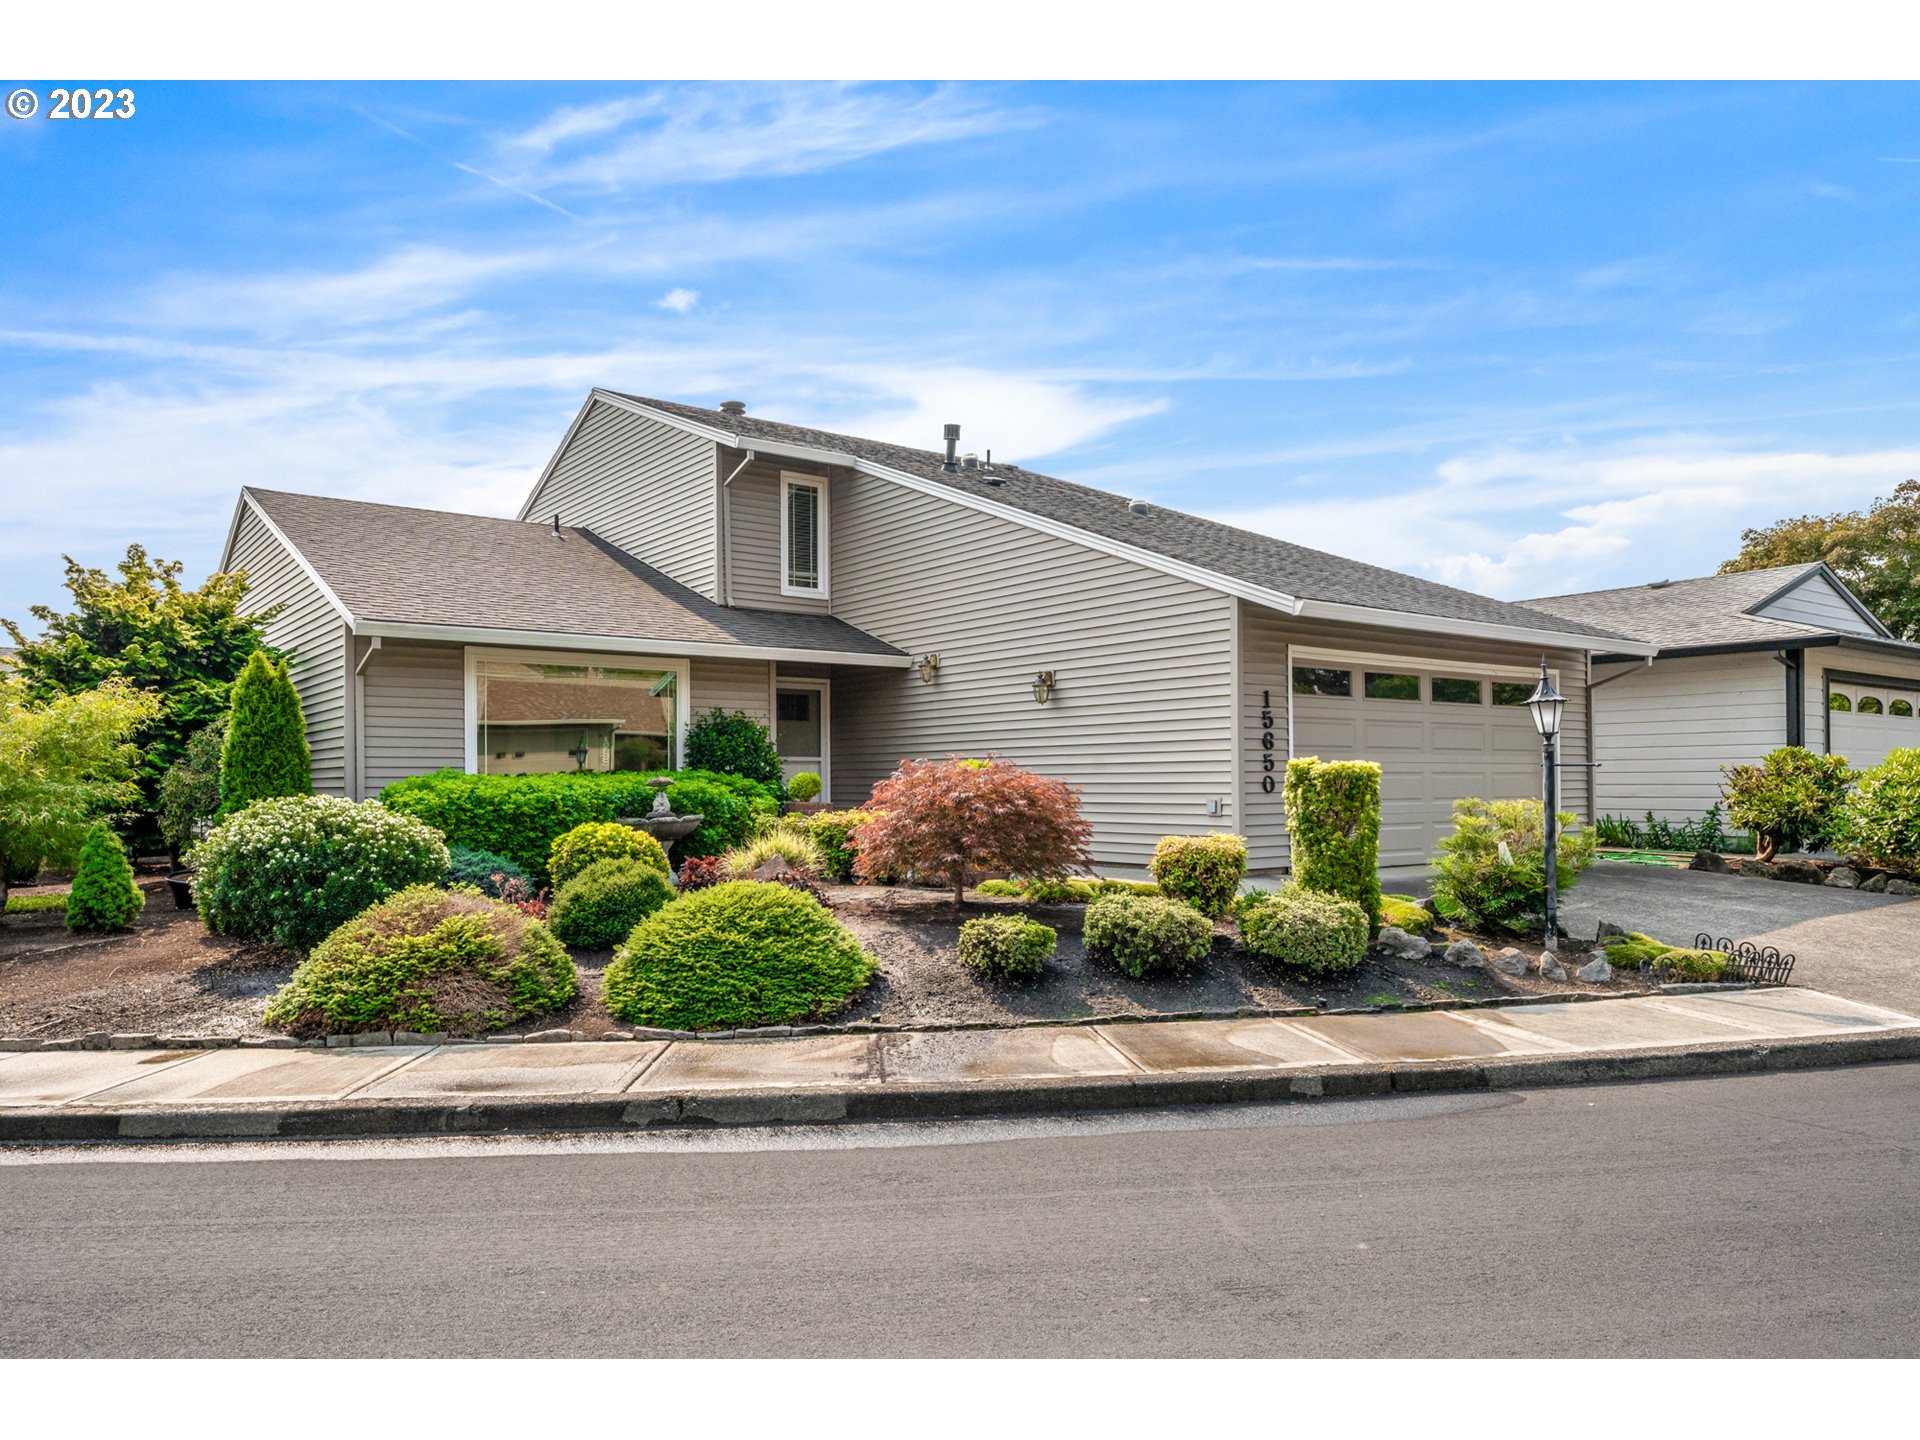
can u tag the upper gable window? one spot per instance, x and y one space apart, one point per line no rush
803 535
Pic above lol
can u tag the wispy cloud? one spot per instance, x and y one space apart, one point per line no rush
679 300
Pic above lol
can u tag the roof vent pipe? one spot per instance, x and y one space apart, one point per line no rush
953 441
734 407
556 526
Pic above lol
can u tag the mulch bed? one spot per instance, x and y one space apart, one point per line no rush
167 976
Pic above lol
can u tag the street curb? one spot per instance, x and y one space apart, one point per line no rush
345 1119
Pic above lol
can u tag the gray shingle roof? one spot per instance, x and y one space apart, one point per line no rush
1680 614
436 567
1244 555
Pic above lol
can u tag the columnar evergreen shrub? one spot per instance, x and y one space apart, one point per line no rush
1308 931
1203 870
1006 947
1791 798
1145 935
596 908
735 744
738 954
1333 828
804 786
1880 821
488 873
599 840
104 896
427 960
266 753
520 816
294 869
1491 870
951 820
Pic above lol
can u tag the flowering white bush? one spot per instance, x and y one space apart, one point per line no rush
292 870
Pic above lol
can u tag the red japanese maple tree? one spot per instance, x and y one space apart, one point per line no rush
956 819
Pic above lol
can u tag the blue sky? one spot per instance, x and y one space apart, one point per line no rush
1522 338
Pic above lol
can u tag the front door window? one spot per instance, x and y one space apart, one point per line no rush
800 731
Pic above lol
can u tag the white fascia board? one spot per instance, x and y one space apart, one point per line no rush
621 644
1474 629
565 441
247 502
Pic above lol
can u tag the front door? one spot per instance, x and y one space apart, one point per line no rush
800 729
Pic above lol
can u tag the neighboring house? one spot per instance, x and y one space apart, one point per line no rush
1748 662
872 603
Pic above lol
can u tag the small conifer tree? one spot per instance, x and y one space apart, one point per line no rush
104 896
266 753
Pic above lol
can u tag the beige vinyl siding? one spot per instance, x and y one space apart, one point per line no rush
646 487
1141 718
314 631
1815 602
1264 674
412 711
1663 732
730 685
752 501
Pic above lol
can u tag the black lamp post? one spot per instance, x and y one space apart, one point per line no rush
1547 703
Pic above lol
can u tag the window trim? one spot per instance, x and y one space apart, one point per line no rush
789 481
682 687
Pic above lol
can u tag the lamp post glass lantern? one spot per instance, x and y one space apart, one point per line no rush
1547 703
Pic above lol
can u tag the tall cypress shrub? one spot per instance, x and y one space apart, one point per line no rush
1333 825
104 896
266 753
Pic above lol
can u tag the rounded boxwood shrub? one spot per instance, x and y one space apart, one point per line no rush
1880 821
1006 947
1306 930
427 960
804 786
735 744
597 908
738 954
294 870
104 895
589 844
1203 870
485 871
1144 935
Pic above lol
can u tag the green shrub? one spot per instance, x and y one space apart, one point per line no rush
738 954
1333 827
427 960
1491 870
1006 947
35 904
104 894
1006 889
1306 930
265 754
1643 952
800 853
1145 935
190 787
1060 892
735 744
596 908
804 786
295 869
1880 821
482 869
1203 870
1790 799
1126 887
599 840
520 816
1406 913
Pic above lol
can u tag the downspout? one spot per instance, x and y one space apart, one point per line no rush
726 532
1795 663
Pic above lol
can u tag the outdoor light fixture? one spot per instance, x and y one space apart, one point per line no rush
1043 687
1546 703
579 753
928 667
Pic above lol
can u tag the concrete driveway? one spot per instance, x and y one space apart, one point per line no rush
1863 946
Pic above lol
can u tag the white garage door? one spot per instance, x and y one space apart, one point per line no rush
1438 736
1870 717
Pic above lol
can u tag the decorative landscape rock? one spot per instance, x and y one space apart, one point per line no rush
1464 952
1509 961
1401 945
1804 872
1550 966
1758 869
1902 887
1844 877
1607 927
1709 860
1876 884
1596 971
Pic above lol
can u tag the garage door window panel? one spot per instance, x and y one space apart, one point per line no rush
1320 680
1451 690
1509 692
1386 685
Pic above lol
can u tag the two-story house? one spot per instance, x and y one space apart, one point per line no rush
873 602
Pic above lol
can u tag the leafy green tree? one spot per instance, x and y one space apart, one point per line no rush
1876 551
146 628
266 753
104 896
190 790
63 765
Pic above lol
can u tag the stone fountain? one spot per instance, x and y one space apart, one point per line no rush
660 822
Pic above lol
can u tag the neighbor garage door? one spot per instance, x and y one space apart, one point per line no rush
1870 716
1438 736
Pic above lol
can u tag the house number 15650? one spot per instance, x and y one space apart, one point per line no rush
1266 741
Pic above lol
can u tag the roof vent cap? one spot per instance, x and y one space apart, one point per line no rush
969 461
1138 507
734 407
1658 584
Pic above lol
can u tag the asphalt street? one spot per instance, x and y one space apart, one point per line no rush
1762 1215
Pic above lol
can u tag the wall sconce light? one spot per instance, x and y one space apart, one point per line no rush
579 753
1043 687
928 667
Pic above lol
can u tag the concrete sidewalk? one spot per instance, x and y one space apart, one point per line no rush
399 1089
